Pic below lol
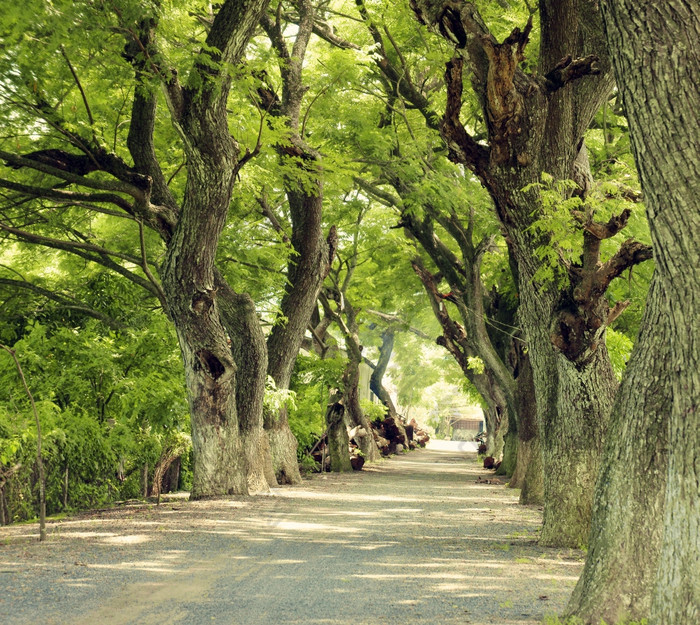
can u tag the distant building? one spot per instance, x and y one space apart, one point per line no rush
467 424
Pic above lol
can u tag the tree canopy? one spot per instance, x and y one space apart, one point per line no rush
212 215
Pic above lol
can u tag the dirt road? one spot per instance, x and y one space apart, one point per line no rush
414 540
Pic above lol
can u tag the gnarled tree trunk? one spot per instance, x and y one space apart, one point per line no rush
225 432
376 384
351 397
625 541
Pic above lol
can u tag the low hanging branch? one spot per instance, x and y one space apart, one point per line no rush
39 460
453 333
88 251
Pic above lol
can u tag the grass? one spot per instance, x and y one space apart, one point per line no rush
502 546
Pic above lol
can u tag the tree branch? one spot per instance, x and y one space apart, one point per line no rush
398 77
327 33
143 119
631 253
599 230
395 319
66 301
385 197
68 176
66 196
277 226
462 147
146 269
93 253
569 69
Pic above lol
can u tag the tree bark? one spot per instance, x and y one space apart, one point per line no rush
225 433
376 378
654 47
351 398
249 351
376 384
625 542
528 475
575 442
3 507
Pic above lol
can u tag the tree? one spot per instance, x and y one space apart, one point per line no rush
534 121
344 315
312 253
407 170
645 544
225 384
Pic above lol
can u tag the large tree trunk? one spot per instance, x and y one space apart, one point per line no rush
225 432
225 441
307 270
249 352
574 443
221 443
654 47
573 404
625 541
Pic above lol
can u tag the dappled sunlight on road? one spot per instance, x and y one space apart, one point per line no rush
413 539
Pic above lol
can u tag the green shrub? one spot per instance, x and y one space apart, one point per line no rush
373 411
311 381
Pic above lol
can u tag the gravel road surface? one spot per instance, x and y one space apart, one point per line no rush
414 540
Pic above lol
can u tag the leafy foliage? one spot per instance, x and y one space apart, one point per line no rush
107 406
